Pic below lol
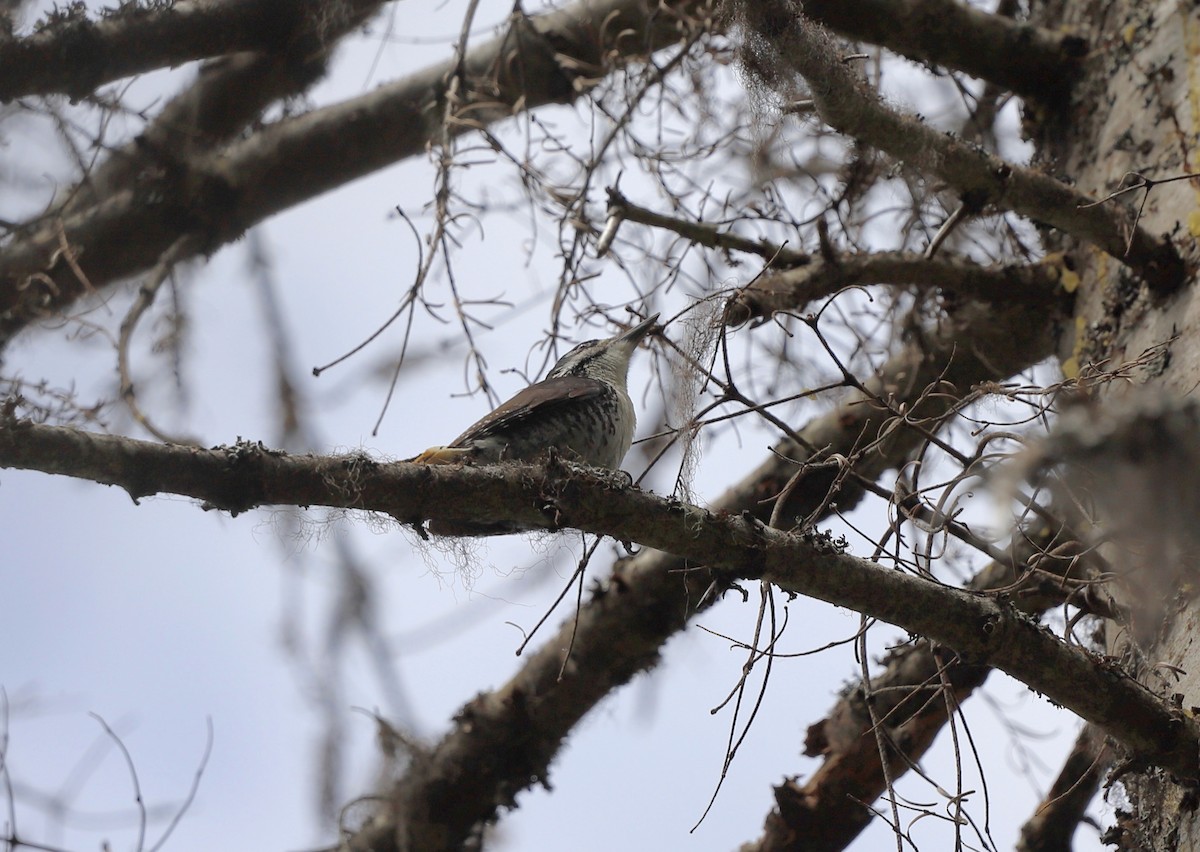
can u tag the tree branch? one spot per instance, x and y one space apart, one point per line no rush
620 634
228 94
827 811
702 233
73 55
117 228
780 37
1028 60
791 289
729 547
620 631
551 58
1059 814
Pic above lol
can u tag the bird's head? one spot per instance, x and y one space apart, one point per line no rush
606 360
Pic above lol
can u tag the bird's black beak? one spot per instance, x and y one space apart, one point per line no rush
635 334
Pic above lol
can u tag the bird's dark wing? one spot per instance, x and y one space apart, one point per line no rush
535 399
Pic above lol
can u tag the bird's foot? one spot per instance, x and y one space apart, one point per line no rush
442 455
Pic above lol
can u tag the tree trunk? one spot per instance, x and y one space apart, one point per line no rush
1134 110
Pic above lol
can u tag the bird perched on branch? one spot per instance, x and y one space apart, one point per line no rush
581 410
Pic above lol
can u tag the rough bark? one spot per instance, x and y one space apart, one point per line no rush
1134 110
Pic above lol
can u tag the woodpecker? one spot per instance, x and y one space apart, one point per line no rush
581 410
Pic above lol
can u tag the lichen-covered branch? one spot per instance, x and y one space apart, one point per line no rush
780 43
730 547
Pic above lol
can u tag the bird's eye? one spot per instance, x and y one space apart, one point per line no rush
575 357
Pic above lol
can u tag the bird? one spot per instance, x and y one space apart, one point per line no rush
581 411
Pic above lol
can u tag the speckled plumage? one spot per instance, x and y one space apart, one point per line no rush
581 409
